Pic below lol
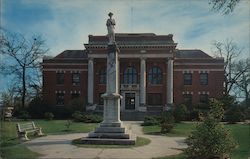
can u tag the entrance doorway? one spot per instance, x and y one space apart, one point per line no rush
129 101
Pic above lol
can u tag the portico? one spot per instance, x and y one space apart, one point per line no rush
139 63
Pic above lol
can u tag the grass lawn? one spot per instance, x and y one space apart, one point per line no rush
11 148
240 133
179 130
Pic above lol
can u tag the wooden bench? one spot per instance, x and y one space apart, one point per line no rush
24 129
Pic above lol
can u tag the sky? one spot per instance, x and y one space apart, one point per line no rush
66 24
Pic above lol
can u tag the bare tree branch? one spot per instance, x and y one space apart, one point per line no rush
23 57
224 6
230 51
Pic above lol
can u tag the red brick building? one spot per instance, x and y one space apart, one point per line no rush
153 73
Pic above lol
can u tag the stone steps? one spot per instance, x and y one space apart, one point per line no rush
104 141
109 135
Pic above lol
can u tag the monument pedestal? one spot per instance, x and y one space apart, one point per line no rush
110 134
111 130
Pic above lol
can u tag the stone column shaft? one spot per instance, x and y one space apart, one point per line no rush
143 82
170 82
111 113
112 72
90 80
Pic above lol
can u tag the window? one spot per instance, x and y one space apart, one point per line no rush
76 78
203 98
101 101
130 76
187 79
154 99
102 76
60 98
59 78
155 75
187 99
203 78
75 95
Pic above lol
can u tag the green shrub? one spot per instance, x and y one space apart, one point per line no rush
203 108
193 115
234 114
247 113
38 107
210 139
76 104
23 115
167 122
68 124
216 110
86 118
180 113
92 118
77 116
61 112
228 101
48 116
151 120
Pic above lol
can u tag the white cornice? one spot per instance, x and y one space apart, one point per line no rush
198 69
93 46
133 55
191 63
63 69
81 64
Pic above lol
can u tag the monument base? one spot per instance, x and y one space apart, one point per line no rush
110 134
111 131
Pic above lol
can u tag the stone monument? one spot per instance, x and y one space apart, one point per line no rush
111 130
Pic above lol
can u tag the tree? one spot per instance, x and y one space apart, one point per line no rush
180 112
38 107
210 139
229 50
8 97
76 104
167 122
243 82
224 6
22 58
234 114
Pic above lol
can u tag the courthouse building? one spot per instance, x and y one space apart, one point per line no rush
154 74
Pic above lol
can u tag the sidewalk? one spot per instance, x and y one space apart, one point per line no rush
59 146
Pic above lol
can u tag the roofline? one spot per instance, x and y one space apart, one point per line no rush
132 34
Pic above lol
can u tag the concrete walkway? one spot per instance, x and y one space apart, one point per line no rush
59 146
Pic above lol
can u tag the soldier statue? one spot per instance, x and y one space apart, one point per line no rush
111 28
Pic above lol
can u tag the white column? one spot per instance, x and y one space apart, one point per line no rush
170 82
143 82
90 80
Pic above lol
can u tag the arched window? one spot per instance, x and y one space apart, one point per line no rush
155 75
130 76
102 76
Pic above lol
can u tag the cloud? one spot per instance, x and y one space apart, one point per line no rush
191 22
66 24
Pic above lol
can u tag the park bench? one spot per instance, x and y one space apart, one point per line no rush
25 128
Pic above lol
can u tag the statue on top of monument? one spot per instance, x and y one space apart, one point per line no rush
111 28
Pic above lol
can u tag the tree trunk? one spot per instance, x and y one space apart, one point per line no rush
23 88
247 101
